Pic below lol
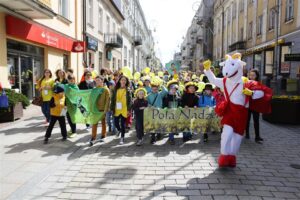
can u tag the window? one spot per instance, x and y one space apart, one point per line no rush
100 60
269 62
285 65
241 5
114 28
129 58
250 30
259 25
125 55
234 10
228 16
90 12
250 2
119 64
272 16
100 20
107 24
64 8
289 11
242 34
114 64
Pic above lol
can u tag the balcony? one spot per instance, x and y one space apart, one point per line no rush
34 9
113 40
240 45
199 39
138 41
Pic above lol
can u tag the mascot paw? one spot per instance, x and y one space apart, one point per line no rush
207 64
223 161
247 92
232 160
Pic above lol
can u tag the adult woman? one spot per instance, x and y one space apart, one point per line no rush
61 77
254 76
121 105
45 86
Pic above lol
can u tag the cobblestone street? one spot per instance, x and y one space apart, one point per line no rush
72 170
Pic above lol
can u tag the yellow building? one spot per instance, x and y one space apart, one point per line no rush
35 35
250 27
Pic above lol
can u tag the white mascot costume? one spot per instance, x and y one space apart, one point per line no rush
234 110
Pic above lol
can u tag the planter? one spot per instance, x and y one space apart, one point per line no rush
284 111
11 114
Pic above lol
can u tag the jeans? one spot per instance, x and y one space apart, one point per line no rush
46 110
120 119
62 124
187 135
72 125
171 136
110 121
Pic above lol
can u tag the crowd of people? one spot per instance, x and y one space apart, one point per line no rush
124 99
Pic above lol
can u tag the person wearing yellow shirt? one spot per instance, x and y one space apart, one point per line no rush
121 105
58 112
45 86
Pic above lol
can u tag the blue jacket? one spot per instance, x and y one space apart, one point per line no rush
205 101
156 99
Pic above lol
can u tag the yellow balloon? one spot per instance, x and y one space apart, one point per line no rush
156 79
147 70
176 77
137 75
151 74
127 72
201 86
160 74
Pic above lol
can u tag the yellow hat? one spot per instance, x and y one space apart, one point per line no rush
139 90
140 83
191 84
155 84
172 82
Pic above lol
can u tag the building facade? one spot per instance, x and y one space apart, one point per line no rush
35 35
197 45
264 31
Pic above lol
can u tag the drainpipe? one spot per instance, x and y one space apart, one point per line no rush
84 28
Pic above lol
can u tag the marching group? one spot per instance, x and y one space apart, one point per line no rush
124 99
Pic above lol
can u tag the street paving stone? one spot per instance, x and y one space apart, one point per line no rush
73 170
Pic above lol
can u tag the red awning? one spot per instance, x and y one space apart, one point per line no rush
40 34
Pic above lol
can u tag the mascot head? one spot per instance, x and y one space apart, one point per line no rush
233 67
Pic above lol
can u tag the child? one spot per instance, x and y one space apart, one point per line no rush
109 115
207 100
138 107
189 100
155 99
57 112
71 84
172 100
121 105
103 105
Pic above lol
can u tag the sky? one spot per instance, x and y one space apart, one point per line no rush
171 19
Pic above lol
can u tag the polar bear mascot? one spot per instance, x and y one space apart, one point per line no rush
239 95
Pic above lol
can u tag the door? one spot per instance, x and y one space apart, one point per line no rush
26 74
13 71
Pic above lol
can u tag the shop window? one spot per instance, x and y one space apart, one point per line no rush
285 65
64 8
65 62
100 19
269 62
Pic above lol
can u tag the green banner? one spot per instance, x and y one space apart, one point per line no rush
197 120
82 105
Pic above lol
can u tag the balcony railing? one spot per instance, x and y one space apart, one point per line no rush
138 41
240 45
113 40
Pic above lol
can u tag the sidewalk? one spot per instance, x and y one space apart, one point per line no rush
72 170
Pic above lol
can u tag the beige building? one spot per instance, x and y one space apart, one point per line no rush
35 35
250 27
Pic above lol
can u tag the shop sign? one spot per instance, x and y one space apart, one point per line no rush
37 33
78 46
292 57
92 44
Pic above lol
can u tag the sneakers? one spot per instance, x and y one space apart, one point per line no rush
205 137
46 141
139 143
71 135
259 140
153 139
92 142
64 139
121 141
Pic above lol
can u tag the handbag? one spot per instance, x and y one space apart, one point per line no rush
4 100
222 106
38 101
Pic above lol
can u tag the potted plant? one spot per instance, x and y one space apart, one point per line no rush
17 102
285 109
